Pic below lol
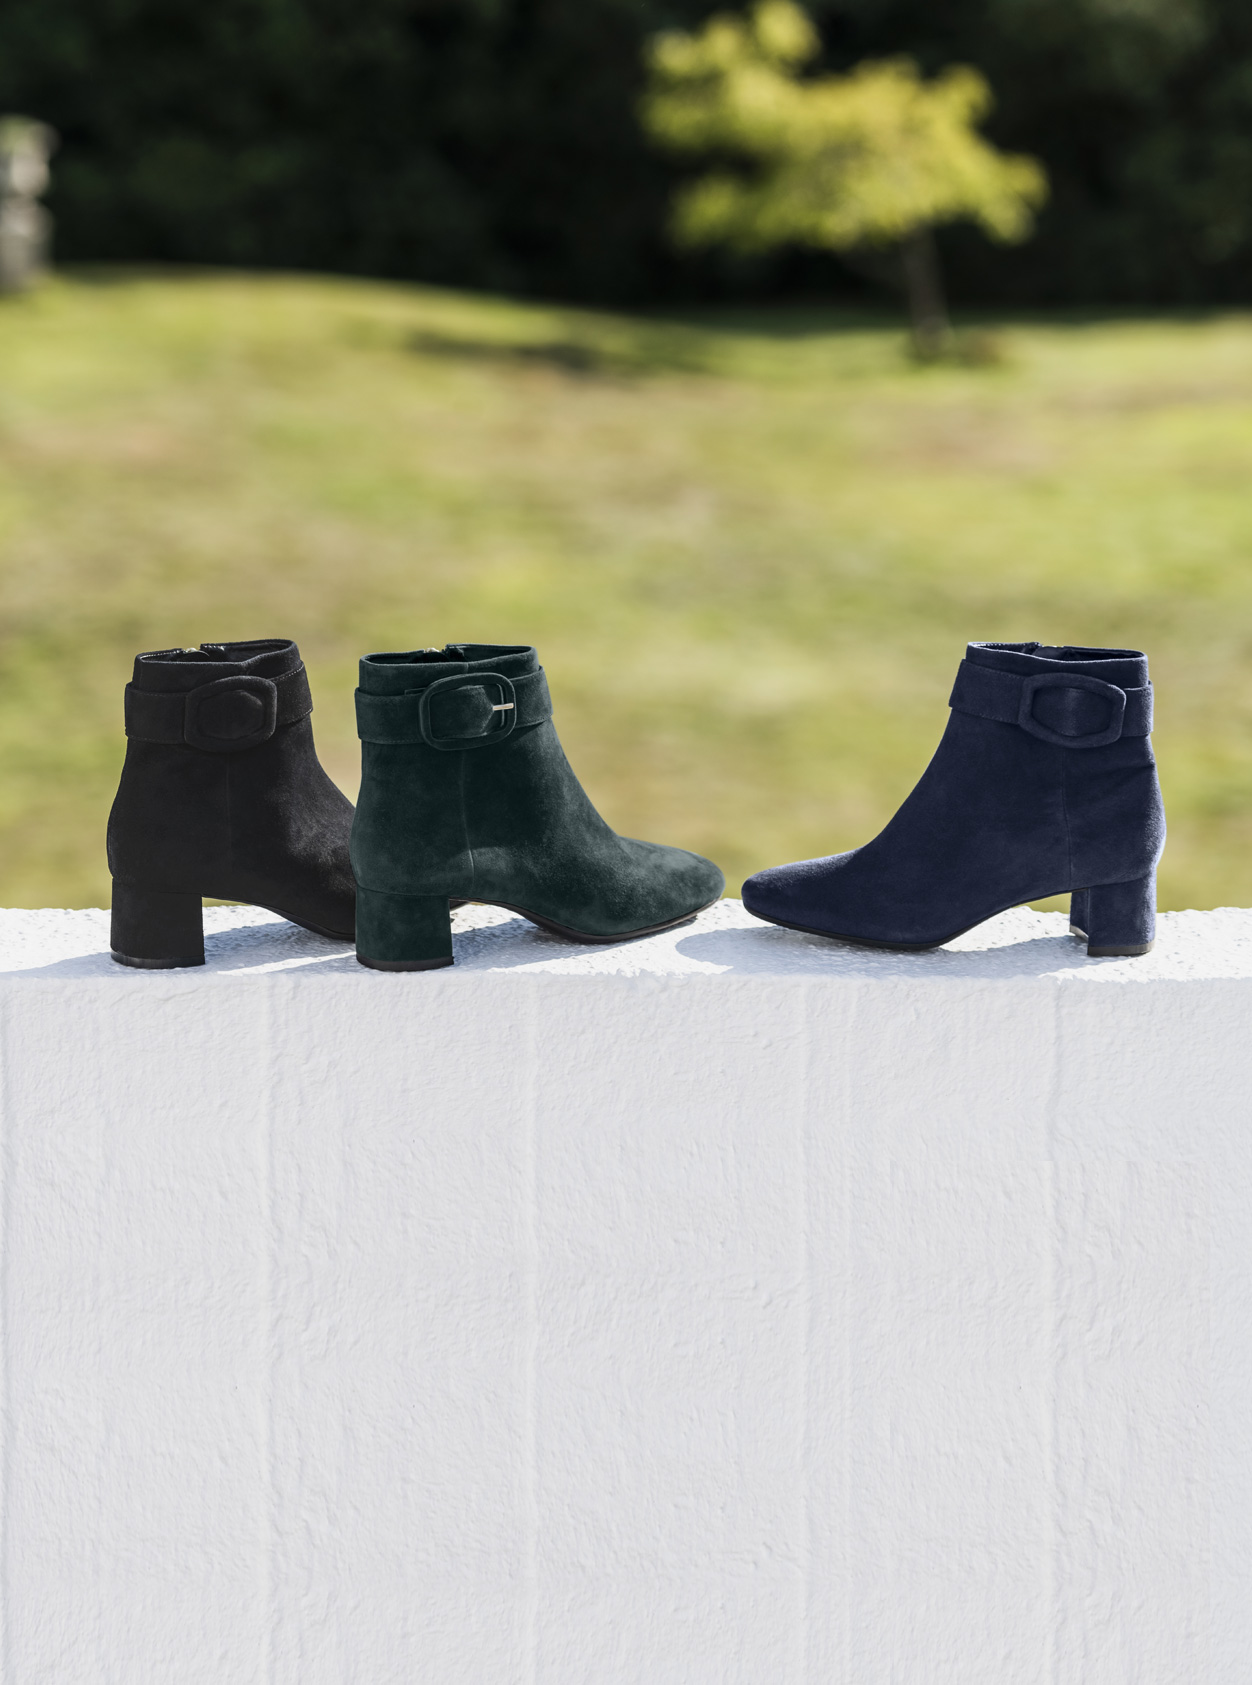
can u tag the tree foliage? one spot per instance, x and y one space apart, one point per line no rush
497 142
834 161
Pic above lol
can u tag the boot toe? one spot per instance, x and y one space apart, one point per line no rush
799 893
676 884
707 881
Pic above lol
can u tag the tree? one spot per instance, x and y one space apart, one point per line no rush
497 143
878 157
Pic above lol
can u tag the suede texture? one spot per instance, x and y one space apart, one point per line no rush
998 818
263 824
504 821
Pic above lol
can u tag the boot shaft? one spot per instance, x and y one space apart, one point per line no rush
201 724
461 770
1055 741
221 792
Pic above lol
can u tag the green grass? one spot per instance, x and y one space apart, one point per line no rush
750 547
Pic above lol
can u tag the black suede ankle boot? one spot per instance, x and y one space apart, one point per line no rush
1044 784
222 795
467 796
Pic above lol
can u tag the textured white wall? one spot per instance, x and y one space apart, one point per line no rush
730 1308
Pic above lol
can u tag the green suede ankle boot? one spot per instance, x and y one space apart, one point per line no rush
466 795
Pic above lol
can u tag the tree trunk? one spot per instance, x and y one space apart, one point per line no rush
932 332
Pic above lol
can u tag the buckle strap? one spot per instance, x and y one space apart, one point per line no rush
464 711
224 716
1071 710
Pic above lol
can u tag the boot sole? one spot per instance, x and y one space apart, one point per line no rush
151 965
562 930
317 929
1135 951
405 965
1106 953
569 935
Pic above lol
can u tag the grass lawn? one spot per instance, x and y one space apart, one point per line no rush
750 546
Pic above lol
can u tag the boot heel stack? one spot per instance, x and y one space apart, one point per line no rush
402 932
156 931
1117 919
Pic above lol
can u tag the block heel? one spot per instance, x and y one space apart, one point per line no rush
154 930
402 932
1117 919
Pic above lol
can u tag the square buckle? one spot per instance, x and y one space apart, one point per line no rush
505 708
243 707
1113 695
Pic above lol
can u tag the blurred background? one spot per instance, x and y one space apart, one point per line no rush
376 325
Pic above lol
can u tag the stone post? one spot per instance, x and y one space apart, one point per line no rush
25 226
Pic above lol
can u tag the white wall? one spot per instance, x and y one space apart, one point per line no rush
731 1308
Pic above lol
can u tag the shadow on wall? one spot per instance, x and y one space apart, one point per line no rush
724 941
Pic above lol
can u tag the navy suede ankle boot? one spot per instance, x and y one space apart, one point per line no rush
1044 784
223 795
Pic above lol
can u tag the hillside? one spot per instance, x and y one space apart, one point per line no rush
750 548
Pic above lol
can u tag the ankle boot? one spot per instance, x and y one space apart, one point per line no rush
222 794
1044 783
466 795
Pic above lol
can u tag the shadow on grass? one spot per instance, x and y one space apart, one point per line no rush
649 354
806 320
